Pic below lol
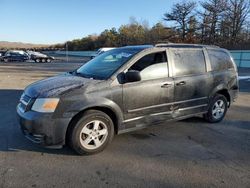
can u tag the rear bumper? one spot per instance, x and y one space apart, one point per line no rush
234 94
42 128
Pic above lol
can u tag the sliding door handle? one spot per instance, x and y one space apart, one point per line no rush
182 83
166 85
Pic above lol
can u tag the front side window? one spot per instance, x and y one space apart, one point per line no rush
152 66
189 61
14 54
105 65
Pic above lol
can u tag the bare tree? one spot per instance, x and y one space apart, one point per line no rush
204 26
214 11
181 14
237 13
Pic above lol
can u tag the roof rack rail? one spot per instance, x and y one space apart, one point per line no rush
215 46
184 45
163 44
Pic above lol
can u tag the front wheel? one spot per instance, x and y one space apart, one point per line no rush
217 109
92 133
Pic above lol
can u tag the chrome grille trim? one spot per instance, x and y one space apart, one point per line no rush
24 102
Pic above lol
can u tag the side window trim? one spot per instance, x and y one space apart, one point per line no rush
170 63
207 59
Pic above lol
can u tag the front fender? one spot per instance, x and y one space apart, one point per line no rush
88 103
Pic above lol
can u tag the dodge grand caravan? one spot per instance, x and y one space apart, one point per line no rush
126 89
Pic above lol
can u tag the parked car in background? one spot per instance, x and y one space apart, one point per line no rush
40 57
2 52
127 89
100 51
15 55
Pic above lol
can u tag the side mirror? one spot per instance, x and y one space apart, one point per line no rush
132 76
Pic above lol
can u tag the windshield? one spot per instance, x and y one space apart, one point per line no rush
105 65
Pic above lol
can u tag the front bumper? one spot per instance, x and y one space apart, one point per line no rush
43 128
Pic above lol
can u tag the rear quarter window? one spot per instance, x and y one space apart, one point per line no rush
220 60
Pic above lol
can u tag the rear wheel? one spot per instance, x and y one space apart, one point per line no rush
217 109
92 133
37 60
43 60
5 60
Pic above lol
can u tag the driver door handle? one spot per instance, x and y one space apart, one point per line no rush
181 83
166 85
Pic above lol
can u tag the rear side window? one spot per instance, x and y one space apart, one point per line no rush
189 61
152 66
219 60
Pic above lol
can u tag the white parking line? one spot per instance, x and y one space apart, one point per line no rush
244 78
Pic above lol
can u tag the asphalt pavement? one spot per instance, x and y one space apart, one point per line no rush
188 153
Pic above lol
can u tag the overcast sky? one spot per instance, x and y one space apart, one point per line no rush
56 21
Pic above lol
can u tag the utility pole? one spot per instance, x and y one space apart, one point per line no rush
67 55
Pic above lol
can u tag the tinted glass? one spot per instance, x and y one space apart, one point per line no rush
189 62
219 60
106 64
152 66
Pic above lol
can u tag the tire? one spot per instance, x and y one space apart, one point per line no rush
217 109
91 133
44 60
37 60
5 60
48 60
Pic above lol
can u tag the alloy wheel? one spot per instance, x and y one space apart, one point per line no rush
218 109
93 134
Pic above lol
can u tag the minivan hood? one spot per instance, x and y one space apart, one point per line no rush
56 86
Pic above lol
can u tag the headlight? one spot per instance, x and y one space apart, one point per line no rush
45 105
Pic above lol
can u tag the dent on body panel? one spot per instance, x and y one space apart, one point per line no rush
220 79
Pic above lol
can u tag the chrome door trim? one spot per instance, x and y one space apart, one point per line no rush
165 104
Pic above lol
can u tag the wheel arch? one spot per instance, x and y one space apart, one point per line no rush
107 110
222 91
226 94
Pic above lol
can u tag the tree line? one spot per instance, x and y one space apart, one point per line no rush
224 23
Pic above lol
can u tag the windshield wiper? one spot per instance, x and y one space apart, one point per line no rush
75 73
79 74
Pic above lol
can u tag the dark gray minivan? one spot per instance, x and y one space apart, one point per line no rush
126 89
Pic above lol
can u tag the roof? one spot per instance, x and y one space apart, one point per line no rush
173 45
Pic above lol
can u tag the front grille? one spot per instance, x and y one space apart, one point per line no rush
25 98
25 103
